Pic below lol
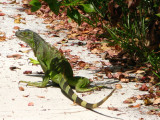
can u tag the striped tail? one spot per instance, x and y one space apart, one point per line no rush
68 90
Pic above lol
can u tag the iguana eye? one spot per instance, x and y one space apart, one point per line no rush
25 33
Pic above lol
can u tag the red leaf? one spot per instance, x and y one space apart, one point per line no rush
23 46
13 68
16 27
30 104
21 88
81 63
2 14
27 72
144 87
113 108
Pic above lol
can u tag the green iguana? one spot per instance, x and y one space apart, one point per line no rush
57 68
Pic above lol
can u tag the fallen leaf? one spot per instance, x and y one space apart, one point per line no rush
21 88
158 93
121 76
108 73
13 68
124 80
30 104
18 21
2 38
13 2
41 96
118 86
81 64
157 101
27 72
95 51
25 51
2 14
113 108
130 100
74 103
16 27
147 101
135 106
144 87
25 95
22 45
16 56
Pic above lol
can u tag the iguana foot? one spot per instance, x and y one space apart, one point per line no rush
97 88
33 61
35 84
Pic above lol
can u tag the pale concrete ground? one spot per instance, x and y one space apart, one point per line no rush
54 105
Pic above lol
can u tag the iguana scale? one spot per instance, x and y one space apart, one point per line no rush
57 68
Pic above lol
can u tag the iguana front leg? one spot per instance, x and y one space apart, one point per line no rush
38 84
45 78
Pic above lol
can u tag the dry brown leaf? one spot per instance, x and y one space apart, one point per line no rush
105 47
2 38
140 72
113 108
130 100
13 68
124 80
121 76
135 106
147 101
95 51
23 46
81 64
16 27
16 56
13 2
27 72
118 86
41 96
25 95
21 88
30 104
25 51
74 104
18 21
144 87
157 101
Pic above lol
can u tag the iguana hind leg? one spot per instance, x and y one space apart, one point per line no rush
82 85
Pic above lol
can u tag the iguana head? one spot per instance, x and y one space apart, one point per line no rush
26 36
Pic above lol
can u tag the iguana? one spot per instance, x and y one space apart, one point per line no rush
57 68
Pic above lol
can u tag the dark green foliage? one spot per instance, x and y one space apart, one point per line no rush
54 5
74 14
35 5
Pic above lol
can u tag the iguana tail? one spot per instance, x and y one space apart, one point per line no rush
68 90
